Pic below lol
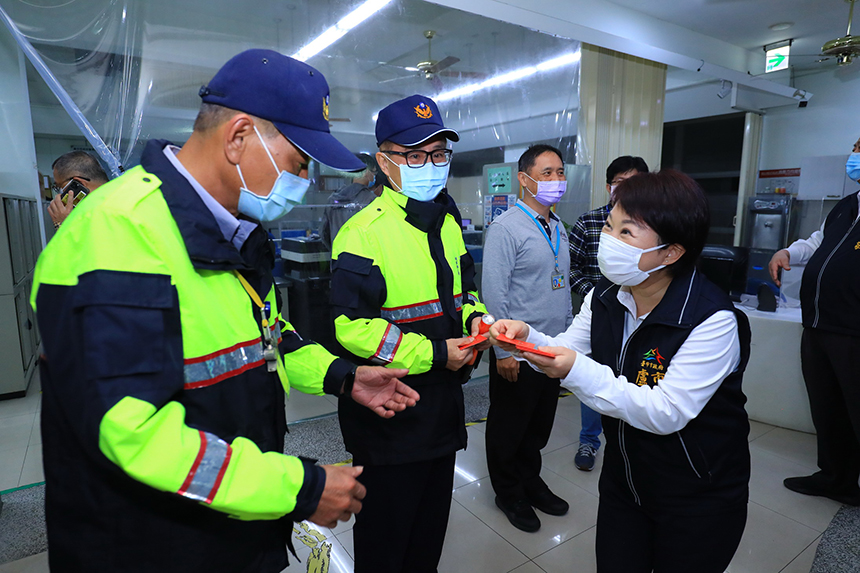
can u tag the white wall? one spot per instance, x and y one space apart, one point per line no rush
829 125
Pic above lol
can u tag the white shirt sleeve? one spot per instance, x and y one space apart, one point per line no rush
577 336
800 250
709 354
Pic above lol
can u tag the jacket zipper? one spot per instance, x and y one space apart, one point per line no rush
627 472
821 273
687 453
621 424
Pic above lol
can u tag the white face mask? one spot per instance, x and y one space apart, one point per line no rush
619 262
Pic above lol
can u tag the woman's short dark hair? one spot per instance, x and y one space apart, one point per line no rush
674 206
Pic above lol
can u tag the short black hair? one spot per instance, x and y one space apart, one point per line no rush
624 164
674 206
212 115
527 159
79 164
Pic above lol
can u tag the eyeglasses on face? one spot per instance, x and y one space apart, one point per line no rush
418 158
58 189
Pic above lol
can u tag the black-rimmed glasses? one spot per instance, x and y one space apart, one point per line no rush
418 157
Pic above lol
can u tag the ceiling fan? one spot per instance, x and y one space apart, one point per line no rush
846 47
431 69
843 49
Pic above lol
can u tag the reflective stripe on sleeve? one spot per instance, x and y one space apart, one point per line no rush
204 477
388 346
417 311
472 298
213 368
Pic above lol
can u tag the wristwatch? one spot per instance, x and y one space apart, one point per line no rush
349 381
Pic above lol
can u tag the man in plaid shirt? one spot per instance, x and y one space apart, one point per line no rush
584 274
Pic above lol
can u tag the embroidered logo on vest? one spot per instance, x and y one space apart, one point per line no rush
652 369
653 354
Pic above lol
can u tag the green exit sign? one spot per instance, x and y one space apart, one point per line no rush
777 59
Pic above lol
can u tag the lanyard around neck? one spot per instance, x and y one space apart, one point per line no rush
270 350
264 307
545 236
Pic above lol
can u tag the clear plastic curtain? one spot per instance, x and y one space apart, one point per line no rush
133 68
85 52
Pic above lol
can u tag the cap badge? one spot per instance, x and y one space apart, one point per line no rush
325 108
423 111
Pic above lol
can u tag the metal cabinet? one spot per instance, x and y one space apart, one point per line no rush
19 336
15 237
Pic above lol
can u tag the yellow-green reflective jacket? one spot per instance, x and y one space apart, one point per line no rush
403 283
159 406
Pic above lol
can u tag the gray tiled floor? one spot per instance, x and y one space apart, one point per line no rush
782 531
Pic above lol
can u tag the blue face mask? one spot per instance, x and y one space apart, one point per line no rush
422 183
287 192
852 166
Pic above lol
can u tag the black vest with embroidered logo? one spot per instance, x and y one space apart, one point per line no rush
704 467
830 287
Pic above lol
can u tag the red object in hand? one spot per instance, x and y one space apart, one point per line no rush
524 346
487 320
475 341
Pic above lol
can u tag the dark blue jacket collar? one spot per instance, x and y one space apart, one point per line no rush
207 247
679 305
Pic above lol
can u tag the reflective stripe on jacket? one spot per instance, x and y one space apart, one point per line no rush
403 283
158 403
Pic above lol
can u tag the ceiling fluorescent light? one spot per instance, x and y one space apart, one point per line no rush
508 77
337 31
559 62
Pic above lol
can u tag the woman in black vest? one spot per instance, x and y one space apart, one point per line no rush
660 351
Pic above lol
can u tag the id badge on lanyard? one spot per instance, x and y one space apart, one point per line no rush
557 277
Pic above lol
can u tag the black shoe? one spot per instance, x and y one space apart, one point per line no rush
520 514
548 502
584 458
811 485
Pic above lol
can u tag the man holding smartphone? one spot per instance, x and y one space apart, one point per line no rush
76 174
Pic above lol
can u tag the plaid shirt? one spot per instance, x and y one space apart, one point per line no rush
584 239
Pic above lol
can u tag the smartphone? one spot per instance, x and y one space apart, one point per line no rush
79 189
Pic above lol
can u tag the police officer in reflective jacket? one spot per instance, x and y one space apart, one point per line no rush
404 295
165 361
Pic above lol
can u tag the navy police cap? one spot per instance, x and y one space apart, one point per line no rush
411 121
289 93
